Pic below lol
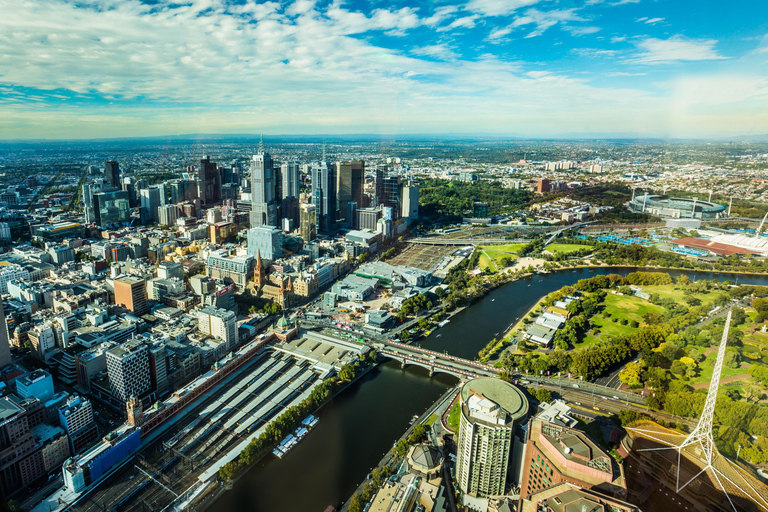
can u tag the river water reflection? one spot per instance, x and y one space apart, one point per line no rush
360 424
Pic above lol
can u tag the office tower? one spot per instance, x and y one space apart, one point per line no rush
290 179
368 218
491 410
128 369
267 240
150 202
219 323
391 195
128 184
289 210
42 337
89 191
112 174
21 454
263 205
411 200
158 373
308 225
168 214
131 293
76 417
112 208
352 215
378 183
350 179
182 190
236 269
542 186
210 182
324 196
5 347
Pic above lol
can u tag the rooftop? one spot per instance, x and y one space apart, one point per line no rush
500 393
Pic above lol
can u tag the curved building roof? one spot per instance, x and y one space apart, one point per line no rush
501 393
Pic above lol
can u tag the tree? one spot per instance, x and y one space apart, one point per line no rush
356 503
401 448
738 316
418 433
228 470
543 395
631 375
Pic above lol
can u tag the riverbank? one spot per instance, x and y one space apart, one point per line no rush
437 408
210 496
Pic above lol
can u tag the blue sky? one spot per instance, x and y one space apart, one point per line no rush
549 68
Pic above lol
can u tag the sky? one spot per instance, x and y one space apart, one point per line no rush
523 68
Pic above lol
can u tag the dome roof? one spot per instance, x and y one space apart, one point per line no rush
283 323
426 456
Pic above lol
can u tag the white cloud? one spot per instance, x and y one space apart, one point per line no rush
498 7
544 19
499 33
654 21
618 39
438 51
594 52
675 49
638 20
463 22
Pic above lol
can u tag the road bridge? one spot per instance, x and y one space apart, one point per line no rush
555 234
462 242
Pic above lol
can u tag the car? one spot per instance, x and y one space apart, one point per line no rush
576 386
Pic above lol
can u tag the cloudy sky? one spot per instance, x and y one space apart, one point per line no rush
548 68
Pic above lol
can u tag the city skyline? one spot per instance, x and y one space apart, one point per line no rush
525 68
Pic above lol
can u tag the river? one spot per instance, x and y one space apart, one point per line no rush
361 423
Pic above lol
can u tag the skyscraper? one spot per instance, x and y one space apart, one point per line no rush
350 179
267 240
150 202
324 195
112 174
111 208
491 410
410 209
263 205
308 224
210 181
5 347
391 195
290 177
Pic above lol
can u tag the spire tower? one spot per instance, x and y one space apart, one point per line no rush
699 446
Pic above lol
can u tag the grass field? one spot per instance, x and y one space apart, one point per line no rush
566 248
491 255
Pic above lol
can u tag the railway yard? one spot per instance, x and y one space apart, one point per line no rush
173 471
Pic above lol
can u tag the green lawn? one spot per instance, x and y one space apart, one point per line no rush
453 417
429 421
491 255
630 307
707 366
566 248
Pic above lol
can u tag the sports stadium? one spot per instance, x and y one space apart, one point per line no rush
676 207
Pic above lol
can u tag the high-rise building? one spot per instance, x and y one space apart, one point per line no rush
391 195
219 323
210 182
76 417
112 174
351 216
20 453
263 204
290 179
168 214
131 293
111 208
158 369
378 184
128 184
182 190
128 369
91 209
267 240
350 179
150 202
368 218
411 201
308 224
491 410
235 269
324 196
542 186
5 347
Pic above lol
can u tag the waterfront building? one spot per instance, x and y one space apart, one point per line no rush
490 412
